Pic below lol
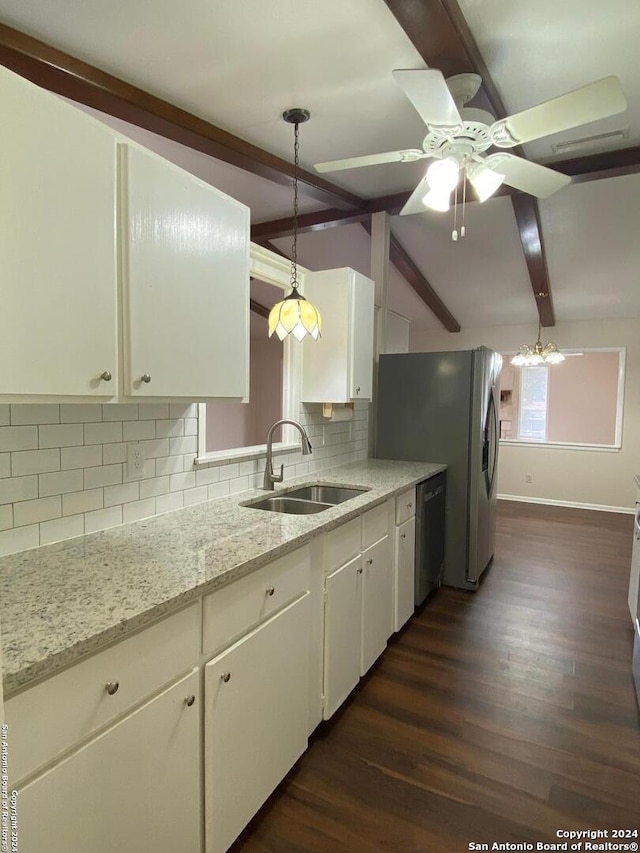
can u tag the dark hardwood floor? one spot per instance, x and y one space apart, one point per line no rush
504 715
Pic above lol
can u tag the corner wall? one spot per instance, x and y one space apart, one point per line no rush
585 477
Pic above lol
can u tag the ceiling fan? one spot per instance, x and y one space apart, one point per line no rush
458 137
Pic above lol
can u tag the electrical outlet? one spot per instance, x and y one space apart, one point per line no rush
528 478
135 461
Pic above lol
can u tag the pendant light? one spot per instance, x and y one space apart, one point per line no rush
539 353
295 315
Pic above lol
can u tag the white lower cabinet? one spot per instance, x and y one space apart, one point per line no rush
377 601
256 715
135 787
342 634
404 569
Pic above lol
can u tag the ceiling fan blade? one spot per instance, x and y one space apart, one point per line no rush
414 203
592 102
428 92
524 175
406 156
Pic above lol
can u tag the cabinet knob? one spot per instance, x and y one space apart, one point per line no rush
409 506
360 570
370 561
189 700
358 390
112 687
106 375
403 535
226 677
270 590
145 378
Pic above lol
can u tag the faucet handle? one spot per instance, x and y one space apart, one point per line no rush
279 477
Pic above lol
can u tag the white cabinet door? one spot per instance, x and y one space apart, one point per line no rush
342 634
338 368
634 577
186 303
377 602
136 787
256 716
57 246
361 343
404 569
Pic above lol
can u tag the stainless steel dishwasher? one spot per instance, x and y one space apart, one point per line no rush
430 535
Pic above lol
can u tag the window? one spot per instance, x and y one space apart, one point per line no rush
576 403
229 430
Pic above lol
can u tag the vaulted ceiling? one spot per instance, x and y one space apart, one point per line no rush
205 85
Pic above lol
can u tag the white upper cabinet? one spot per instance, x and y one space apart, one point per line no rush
338 368
58 260
122 275
186 283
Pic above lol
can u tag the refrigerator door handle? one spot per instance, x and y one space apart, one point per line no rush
496 428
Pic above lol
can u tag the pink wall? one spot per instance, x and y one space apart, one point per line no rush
583 391
232 425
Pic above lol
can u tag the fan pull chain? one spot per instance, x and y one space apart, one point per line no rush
463 229
454 233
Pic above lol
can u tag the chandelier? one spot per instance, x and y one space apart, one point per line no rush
539 353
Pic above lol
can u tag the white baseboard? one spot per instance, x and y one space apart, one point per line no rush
574 504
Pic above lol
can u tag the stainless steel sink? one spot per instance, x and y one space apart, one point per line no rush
306 500
292 506
325 494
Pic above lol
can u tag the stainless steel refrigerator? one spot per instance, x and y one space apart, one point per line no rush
443 407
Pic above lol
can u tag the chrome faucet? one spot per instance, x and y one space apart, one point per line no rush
269 477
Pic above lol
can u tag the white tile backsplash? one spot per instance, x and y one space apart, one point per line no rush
45 413
63 467
61 435
34 462
18 438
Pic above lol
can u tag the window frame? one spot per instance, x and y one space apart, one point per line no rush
275 270
603 448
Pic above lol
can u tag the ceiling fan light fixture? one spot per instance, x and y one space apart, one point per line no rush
442 175
484 181
439 200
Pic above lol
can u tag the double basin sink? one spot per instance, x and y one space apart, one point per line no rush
306 500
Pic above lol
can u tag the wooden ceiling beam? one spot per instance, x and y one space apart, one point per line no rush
259 308
528 218
439 32
65 75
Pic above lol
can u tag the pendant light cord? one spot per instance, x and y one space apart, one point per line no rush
294 248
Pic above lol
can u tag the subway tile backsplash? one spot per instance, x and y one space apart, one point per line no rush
63 467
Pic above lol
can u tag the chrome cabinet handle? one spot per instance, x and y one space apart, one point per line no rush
226 677
112 687
358 390
360 570
409 506
145 378
403 535
270 590
106 375
189 700
369 562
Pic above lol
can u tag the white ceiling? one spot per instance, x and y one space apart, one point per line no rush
239 64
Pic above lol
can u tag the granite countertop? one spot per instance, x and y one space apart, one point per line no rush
63 601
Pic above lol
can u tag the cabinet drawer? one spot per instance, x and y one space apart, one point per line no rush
235 609
405 506
75 703
342 544
375 524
